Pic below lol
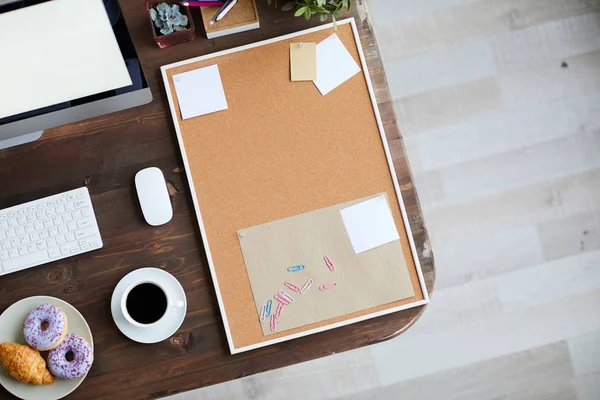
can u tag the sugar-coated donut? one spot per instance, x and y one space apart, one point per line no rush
45 339
82 358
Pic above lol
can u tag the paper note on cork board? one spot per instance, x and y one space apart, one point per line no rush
369 279
303 61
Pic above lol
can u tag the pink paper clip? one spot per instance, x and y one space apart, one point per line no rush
329 263
328 286
280 299
306 286
263 313
286 296
273 323
279 310
291 286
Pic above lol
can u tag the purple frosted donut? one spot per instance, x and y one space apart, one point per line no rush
82 360
45 327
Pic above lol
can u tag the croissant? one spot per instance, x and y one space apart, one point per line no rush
24 364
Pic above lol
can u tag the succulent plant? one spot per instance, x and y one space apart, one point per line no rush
168 19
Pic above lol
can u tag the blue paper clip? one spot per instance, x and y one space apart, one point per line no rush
268 309
296 268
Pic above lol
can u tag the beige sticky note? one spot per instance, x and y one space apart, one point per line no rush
303 61
362 281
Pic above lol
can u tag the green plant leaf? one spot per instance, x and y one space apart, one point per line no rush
300 11
307 14
288 6
323 17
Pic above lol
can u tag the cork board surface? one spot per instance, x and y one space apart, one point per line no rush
243 13
369 279
280 149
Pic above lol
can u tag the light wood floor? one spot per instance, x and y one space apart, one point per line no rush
498 102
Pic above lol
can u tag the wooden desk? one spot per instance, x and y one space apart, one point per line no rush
104 154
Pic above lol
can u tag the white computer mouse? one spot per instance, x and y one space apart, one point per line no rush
154 196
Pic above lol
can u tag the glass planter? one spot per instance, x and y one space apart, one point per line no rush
172 38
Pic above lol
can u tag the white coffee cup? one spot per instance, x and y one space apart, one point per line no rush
170 303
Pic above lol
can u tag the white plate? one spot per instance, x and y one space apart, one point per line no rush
11 330
169 324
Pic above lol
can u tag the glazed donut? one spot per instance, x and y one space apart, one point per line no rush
45 339
83 357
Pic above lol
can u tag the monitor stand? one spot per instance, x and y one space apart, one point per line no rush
30 137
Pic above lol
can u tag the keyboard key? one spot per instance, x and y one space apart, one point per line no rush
51 242
70 206
22 220
12 223
38 225
61 200
14 242
70 236
3 225
63 229
72 226
24 239
12 214
34 236
31 217
4 255
5 244
31 210
57 221
48 223
22 250
43 234
74 249
20 230
60 239
83 233
22 211
40 214
31 247
67 217
80 204
29 228
54 252
3 217
87 212
2 235
85 223
13 253
60 209
50 212
65 249
85 247
53 231
11 233
41 206
29 259
41 244
51 203
76 214
70 197
79 195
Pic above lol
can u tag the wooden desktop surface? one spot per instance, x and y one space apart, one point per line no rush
104 154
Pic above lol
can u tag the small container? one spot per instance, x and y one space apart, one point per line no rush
172 38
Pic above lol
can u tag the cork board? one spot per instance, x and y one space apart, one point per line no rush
243 13
369 279
282 149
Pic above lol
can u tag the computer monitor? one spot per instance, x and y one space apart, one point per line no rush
28 126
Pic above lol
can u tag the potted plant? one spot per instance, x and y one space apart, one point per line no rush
171 23
323 8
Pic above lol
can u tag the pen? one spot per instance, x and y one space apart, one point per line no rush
223 11
202 3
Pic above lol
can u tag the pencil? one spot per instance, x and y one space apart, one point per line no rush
221 10
202 3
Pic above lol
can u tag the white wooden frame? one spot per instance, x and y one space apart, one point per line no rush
415 256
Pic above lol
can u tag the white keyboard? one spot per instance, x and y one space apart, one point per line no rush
46 230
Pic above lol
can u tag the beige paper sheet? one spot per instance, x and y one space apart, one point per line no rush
373 278
303 61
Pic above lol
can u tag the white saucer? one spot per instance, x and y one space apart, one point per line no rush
11 330
169 324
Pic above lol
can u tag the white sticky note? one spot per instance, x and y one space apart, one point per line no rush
335 65
200 92
370 224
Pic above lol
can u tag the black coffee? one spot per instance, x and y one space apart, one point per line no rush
146 303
